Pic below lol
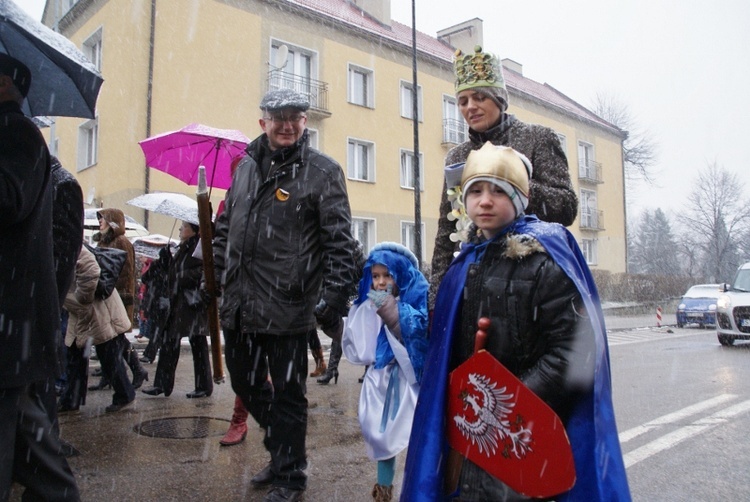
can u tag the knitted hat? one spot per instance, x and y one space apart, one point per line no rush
503 166
482 72
280 99
17 71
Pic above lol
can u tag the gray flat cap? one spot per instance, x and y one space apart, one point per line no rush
284 98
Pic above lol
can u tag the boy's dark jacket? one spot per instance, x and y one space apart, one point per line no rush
591 425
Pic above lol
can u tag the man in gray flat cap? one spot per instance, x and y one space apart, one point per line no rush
283 241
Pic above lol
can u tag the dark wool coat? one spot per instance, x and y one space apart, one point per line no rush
283 237
114 237
29 304
67 225
551 196
187 310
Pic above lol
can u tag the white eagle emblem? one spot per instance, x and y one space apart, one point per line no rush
492 429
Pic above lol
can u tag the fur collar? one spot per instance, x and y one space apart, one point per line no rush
519 246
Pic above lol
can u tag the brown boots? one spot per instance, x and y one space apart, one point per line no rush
320 362
382 493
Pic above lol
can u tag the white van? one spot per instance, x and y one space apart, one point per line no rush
733 308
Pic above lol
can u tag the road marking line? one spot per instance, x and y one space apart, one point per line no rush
673 438
669 418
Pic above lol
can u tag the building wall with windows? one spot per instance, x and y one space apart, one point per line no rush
213 60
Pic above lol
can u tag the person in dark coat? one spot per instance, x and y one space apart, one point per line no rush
483 101
29 301
187 317
285 233
155 303
67 238
112 235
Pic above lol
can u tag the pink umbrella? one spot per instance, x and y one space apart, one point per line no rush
180 153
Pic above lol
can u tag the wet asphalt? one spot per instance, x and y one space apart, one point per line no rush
120 459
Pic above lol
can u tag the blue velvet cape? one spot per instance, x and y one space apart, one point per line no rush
591 428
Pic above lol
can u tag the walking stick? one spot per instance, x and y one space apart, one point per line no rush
207 235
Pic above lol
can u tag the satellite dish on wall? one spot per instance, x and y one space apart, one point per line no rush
281 54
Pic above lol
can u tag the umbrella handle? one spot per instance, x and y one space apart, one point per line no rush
481 337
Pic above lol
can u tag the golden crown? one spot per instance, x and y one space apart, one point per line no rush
498 162
481 69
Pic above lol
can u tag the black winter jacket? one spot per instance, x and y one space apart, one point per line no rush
282 238
29 303
538 330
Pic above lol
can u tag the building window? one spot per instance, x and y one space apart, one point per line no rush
297 72
361 86
407 170
363 229
92 48
88 143
455 129
563 143
407 100
360 160
588 248
589 213
313 135
408 239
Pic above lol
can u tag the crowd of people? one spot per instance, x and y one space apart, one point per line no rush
287 265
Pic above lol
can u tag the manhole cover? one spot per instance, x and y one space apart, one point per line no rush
182 427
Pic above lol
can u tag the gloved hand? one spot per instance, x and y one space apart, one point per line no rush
206 296
388 311
378 297
326 316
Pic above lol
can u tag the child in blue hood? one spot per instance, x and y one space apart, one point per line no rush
387 330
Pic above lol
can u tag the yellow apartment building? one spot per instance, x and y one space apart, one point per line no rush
170 63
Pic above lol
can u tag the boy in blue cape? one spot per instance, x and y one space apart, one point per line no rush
546 327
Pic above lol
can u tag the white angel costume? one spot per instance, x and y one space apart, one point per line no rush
395 355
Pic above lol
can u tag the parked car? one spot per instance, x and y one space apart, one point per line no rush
698 305
733 308
133 229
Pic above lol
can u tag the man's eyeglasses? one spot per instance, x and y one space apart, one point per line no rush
292 119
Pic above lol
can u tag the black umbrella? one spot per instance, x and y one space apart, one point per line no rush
63 82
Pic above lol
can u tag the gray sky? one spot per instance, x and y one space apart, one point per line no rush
681 67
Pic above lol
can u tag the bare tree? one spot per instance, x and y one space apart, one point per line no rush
719 215
639 150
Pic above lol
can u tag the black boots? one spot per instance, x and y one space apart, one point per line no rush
332 373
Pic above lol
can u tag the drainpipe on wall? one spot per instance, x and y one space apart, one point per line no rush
152 36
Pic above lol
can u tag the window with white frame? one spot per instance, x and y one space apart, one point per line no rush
563 143
297 72
360 86
407 170
360 160
588 248
455 129
88 143
313 134
407 100
92 48
363 229
589 212
585 157
408 237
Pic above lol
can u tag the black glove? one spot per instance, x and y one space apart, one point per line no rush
207 297
326 316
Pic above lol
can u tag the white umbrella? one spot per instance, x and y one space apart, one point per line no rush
176 205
